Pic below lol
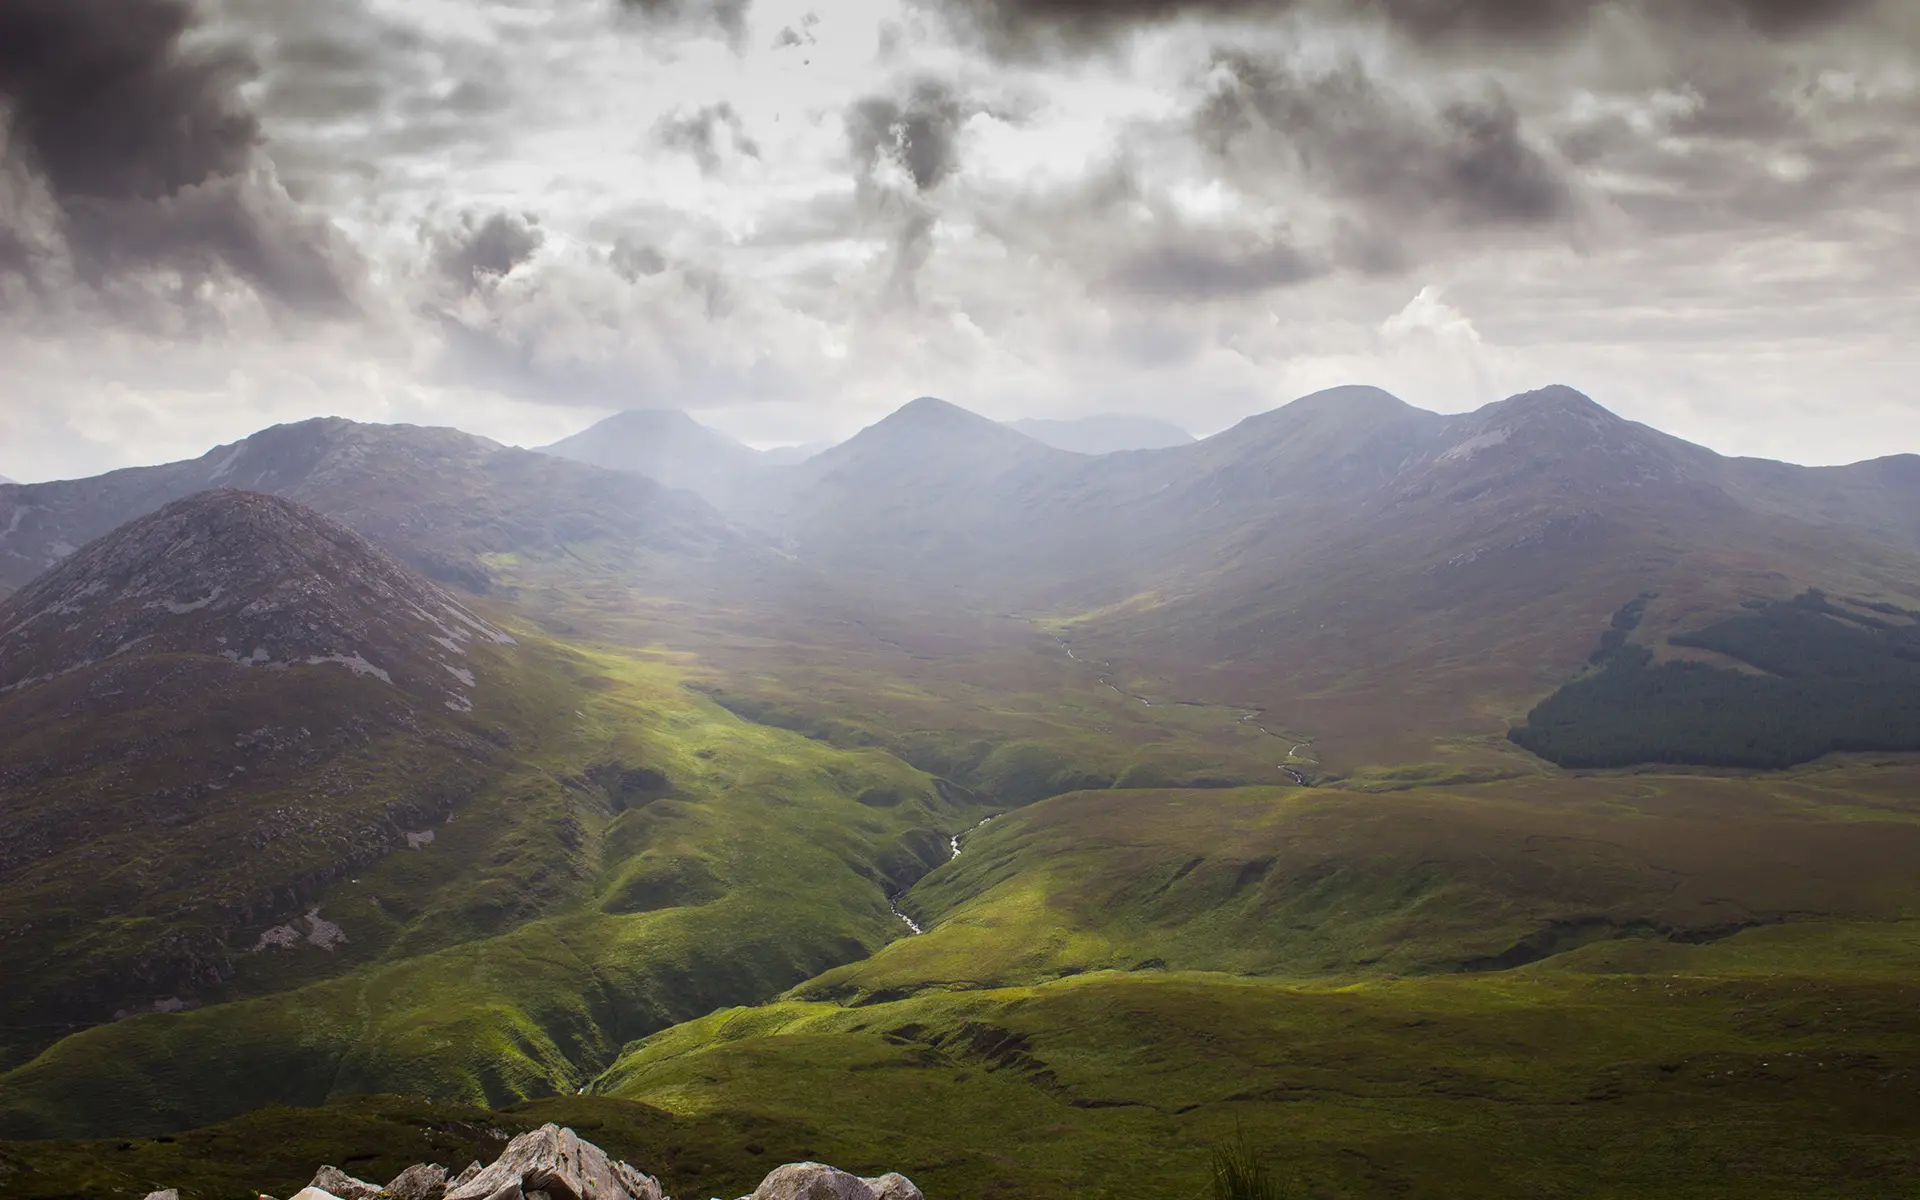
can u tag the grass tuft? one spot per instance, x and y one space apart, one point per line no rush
1239 1173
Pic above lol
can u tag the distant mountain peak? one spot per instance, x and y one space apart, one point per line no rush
932 409
931 419
668 446
652 418
1350 397
254 579
1555 400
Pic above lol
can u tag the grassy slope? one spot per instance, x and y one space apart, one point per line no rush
995 1056
759 866
978 698
1335 882
315 771
1775 1064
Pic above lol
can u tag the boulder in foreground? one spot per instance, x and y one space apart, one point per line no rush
817 1181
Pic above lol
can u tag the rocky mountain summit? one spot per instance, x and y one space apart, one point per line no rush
552 1163
250 578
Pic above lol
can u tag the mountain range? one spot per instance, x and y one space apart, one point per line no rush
1037 814
670 446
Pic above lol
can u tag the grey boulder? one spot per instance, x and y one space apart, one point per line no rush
428 1181
894 1186
817 1181
335 1182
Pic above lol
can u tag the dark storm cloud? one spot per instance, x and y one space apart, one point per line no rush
1340 134
919 132
1027 28
728 17
486 248
148 154
1114 231
355 96
1756 137
1193 267
697 133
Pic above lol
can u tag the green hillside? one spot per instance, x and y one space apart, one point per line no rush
653 858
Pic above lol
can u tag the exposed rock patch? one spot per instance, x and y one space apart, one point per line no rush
557 1162
335 1182
318 931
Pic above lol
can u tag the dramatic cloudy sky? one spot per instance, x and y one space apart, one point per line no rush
790 216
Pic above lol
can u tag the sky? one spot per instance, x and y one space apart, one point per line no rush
789 217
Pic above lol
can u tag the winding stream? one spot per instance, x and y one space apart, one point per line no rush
953 852
893 902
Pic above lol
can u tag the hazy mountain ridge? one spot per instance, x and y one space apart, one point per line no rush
1320 556
926 484
789 456
439 499
670 447
1104 433
1349 551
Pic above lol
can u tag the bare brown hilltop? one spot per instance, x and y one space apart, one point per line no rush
253 579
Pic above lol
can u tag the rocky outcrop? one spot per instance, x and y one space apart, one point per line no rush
334 1182
424 1182
551 1163
555 1163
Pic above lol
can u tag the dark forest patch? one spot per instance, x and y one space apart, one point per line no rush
1835 678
